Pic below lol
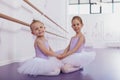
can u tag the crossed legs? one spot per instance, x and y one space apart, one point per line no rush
67 68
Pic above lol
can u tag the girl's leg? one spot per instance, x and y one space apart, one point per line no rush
54 72
67 68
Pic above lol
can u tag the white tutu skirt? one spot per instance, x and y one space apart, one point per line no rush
39 66
80 59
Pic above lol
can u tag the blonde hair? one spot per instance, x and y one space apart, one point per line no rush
78 18
34 21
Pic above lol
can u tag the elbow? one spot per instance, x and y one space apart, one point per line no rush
49 53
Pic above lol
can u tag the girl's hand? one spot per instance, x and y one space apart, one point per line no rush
60 56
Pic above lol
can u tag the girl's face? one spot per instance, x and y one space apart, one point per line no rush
76 25
38 29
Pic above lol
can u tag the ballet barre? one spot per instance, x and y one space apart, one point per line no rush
24 23
30 4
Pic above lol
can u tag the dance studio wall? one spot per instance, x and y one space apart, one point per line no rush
16 40
100 30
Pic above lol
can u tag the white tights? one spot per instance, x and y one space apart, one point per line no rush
67 68
54 72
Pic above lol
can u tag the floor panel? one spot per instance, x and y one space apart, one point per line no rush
106 66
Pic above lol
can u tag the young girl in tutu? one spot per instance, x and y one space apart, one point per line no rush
74 57
45 62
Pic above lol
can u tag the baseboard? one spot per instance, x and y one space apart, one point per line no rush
6 62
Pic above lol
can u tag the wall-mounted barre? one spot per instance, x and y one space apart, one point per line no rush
23 23
29 3
13 19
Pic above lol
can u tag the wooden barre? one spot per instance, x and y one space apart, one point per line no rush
13 19
23 23
30 4
56 34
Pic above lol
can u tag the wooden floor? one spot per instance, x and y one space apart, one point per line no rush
106 66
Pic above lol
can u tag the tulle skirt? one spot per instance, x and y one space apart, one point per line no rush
80 59
39 66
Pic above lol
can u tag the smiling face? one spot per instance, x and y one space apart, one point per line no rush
38 29
76 25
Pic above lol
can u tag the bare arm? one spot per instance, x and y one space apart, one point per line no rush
44 49
67 49
64 53
78 45
51 49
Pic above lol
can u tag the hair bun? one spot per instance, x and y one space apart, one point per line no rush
34 20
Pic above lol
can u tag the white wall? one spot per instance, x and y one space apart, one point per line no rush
16 41
100 30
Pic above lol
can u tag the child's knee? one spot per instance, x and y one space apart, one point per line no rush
69 68
66 68
57 71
